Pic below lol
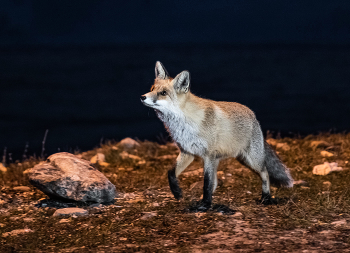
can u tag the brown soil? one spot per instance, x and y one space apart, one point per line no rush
146 218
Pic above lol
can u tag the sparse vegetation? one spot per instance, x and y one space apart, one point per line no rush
302 219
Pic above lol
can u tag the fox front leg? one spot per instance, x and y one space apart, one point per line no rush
210 167
183 160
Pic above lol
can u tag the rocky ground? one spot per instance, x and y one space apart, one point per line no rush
313 216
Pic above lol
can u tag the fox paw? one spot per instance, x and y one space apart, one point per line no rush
174 185
266 200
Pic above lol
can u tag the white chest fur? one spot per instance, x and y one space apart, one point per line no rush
184 132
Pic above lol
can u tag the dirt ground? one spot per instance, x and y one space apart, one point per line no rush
313 216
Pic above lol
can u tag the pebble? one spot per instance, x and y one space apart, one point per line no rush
22 188
237 214
166 157
284 146
193 173
316 144
148 215
128 143
28 219
3 168
327 184
17 232
271 141
129 195
326 168
99 157
339 223
325 153
70 211
64 220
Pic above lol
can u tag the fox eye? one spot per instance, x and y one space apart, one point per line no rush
163 93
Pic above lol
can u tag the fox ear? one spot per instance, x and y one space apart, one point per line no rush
182 82
161 72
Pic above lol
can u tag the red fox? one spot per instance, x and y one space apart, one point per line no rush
213 131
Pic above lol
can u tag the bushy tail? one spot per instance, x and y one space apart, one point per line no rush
278 173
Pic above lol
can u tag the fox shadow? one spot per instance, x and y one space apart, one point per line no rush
198 206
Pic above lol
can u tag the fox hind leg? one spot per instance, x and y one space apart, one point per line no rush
256 164
183 160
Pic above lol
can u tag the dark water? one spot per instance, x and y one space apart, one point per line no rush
86 94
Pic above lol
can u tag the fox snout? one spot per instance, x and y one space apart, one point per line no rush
147 100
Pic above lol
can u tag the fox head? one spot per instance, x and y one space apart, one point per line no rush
167 94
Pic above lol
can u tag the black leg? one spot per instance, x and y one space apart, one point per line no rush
174 184
208 188
266 199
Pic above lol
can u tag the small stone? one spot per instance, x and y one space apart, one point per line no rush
284 146
121 168
271 142
70 211
2 225
326 168
96 205
305 187
237 214
327 184
128 143
63 221
199 215
3 168
135 157
248 192
339 223
155 204
104 164
129 195
126 155
220 173
316 144
98 158
17 232
167 157
301 183
22 188
228 174
28 219
123 239
142 162
325 153
193 173
130 169
148 215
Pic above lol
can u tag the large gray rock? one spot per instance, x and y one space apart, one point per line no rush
64 175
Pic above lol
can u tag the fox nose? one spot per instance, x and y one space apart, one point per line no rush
143 97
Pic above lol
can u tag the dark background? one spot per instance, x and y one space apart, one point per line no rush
79 67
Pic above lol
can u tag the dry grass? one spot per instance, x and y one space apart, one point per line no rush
301 221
